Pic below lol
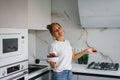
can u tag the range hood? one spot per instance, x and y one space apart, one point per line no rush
99 13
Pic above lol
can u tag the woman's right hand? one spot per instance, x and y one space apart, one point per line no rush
53 64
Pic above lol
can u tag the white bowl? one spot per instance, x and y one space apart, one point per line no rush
53 59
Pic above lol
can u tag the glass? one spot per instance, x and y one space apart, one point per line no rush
37 61
10 45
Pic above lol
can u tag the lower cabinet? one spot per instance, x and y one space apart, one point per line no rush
47 76
75 77
82 77
89 77
44 76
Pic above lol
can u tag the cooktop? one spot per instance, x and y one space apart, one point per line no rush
103 66
34 67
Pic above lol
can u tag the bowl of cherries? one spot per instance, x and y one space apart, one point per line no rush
52 57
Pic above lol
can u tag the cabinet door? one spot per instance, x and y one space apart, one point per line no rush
44 77
75 77
82 77
13 13
39 14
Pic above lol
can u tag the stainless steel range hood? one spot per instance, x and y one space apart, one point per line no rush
99 13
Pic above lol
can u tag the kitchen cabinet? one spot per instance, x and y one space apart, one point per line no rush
43 77
30 14
40 76
75 77
84 77
91 77
39 14
13 13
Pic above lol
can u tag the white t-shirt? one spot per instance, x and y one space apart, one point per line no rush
64 51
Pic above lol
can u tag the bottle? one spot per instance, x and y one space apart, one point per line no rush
85 58
80 60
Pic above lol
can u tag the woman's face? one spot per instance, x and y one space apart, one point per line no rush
57 31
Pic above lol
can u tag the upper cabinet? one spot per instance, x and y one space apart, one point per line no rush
39 14
30 14
13 13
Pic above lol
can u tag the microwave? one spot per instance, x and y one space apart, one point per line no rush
13 45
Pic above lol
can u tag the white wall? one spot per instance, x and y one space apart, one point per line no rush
65 12
32 46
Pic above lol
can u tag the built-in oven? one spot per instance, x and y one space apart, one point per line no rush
13 45
18 76
16 71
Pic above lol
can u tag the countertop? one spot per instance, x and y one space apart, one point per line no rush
80 68
33 74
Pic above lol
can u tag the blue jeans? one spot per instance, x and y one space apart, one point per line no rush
64 75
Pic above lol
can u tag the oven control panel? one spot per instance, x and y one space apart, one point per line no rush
13 68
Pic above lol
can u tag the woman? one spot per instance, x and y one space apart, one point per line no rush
61 70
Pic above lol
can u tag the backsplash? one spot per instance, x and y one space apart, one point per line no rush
106 41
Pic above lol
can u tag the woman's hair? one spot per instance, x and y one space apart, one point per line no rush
50 27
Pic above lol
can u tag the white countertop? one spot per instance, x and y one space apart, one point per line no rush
81 68
33 74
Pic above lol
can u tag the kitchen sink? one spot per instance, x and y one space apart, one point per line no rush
34 67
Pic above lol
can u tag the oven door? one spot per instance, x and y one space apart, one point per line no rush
11 45
18 76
